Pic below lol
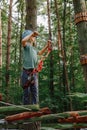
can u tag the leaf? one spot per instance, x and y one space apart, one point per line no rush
79 95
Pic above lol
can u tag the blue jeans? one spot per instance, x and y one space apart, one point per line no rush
30 93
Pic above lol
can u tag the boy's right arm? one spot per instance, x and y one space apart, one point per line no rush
48 45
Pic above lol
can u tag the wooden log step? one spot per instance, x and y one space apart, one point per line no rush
78 119
25 115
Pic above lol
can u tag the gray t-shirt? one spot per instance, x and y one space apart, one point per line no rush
29 57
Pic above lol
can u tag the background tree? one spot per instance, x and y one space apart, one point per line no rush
8 51
31 24
31 14
51 86
0 51
81 22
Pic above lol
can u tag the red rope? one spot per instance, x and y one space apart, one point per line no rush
40 64
39 67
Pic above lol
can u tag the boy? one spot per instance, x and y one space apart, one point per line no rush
29 77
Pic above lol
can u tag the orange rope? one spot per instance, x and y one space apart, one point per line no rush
40 64
79 17
83 59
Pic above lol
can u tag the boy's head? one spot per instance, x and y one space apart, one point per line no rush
29 33
32 35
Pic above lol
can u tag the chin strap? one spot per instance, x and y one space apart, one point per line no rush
40 64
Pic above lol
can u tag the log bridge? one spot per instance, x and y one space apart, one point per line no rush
20 117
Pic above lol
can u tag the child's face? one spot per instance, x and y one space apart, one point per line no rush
33 40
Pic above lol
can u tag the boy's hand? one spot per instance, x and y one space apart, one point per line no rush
49 44
35 34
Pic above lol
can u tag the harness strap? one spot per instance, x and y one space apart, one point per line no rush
30 79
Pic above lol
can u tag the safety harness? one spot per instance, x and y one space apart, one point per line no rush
30 79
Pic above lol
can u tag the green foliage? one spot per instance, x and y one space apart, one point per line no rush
59 101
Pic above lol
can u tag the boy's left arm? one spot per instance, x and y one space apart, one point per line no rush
48 45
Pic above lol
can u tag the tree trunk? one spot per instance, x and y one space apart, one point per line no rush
8 50
51 55
61 47
0 51
31 14
31 23
80 6
20 46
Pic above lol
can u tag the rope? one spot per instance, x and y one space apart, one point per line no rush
9 104
40 64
